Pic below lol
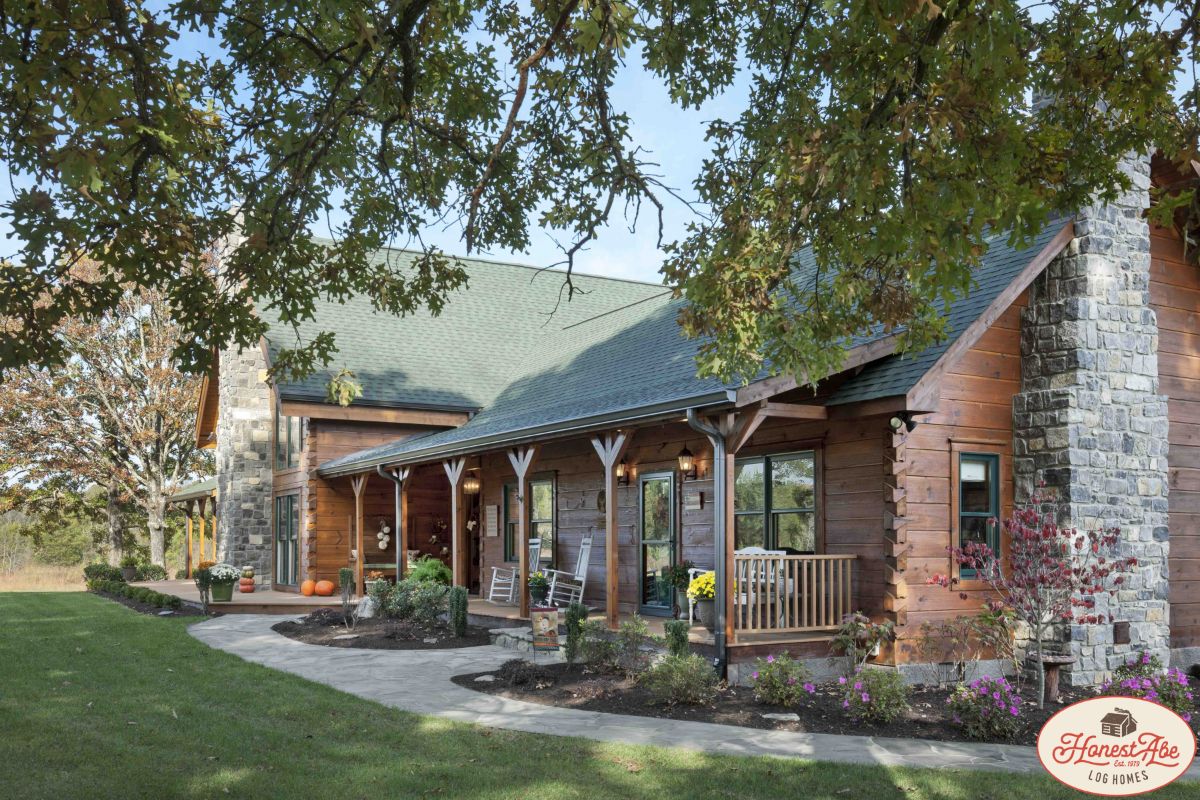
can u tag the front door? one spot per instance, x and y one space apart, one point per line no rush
656 510
287 535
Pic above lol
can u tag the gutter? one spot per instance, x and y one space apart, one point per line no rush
401 556
720 534
560 430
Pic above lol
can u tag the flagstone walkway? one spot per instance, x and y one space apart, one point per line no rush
419 681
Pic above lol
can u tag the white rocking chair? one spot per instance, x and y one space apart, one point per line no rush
567 587
505 579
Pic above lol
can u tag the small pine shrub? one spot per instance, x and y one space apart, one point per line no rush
677 637
780 681
681 680
458 610
576 615
876 695
633 645
987 708
346 579
597 645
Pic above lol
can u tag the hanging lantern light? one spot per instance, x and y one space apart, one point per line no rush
471 484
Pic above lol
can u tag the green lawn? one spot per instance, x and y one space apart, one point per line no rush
99 702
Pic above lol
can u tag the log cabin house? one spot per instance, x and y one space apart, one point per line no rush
1074 359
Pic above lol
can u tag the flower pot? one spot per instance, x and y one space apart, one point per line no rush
706 610
222 592
129 573
537 595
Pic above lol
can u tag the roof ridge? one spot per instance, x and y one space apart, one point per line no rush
505 263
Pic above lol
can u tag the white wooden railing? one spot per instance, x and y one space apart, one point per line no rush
784 594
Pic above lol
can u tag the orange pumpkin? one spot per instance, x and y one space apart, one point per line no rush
308 588
325 588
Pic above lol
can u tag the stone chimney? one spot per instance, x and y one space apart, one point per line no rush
245 407
1089 419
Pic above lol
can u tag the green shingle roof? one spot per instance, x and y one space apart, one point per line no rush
632 360
193 491
462 358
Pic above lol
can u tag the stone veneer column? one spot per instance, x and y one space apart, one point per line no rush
1090 421
244 468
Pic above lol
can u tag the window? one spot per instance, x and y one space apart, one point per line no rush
978 501
288 441
541 519
775 502
287 539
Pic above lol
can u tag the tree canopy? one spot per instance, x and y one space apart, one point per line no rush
892 135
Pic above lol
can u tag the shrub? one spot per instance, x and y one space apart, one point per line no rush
129 561
857 638
427 601
878 695
1143 677
987 708
458 610
598 647
633 645
677 637
780 681
102 572
430 570
181 574
346 579
151 572
576 615
687 679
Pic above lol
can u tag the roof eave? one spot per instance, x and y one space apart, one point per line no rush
558 430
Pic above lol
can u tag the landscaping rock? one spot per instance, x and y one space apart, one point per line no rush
366 608
485 678
782 717
346 636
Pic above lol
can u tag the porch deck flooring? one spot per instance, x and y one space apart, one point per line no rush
260 601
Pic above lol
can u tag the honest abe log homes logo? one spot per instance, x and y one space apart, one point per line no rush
1116 746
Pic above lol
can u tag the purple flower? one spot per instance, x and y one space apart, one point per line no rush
770 659
1014 711
858 686
866 697
842 680
791 681
754 675
845 704
808 687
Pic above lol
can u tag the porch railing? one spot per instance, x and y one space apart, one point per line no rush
789 594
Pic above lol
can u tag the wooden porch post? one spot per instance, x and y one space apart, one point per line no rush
521 459
359 484
454 472
187 511
611 449
213 538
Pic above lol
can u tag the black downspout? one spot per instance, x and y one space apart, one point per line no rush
400 557
719 533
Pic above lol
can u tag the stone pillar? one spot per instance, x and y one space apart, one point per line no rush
1090 421
244 466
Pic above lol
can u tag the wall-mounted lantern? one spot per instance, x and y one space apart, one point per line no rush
623 473
687 464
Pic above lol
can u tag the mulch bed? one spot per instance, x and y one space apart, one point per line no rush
578 687
154 611
325 627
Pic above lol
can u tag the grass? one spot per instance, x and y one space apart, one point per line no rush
42 578
98 701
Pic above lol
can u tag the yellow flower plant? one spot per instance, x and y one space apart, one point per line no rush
703 586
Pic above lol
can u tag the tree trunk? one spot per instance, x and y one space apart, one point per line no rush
116 526
156 509
1041 671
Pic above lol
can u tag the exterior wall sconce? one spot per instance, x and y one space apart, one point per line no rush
623 471
687 464
902 420
471 484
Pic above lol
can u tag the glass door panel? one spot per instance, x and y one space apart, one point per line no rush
657 546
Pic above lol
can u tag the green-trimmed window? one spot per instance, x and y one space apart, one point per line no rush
289 441
978 501
541 518
287 539
775 502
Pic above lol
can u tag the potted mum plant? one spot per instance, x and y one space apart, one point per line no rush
677 579
222 578
539 587
703 589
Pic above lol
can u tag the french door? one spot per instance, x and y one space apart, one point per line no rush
287 539
656 546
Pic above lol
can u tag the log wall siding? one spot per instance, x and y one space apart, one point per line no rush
1175 297
974 414
852 499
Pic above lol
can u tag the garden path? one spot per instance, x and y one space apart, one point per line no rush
419 681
